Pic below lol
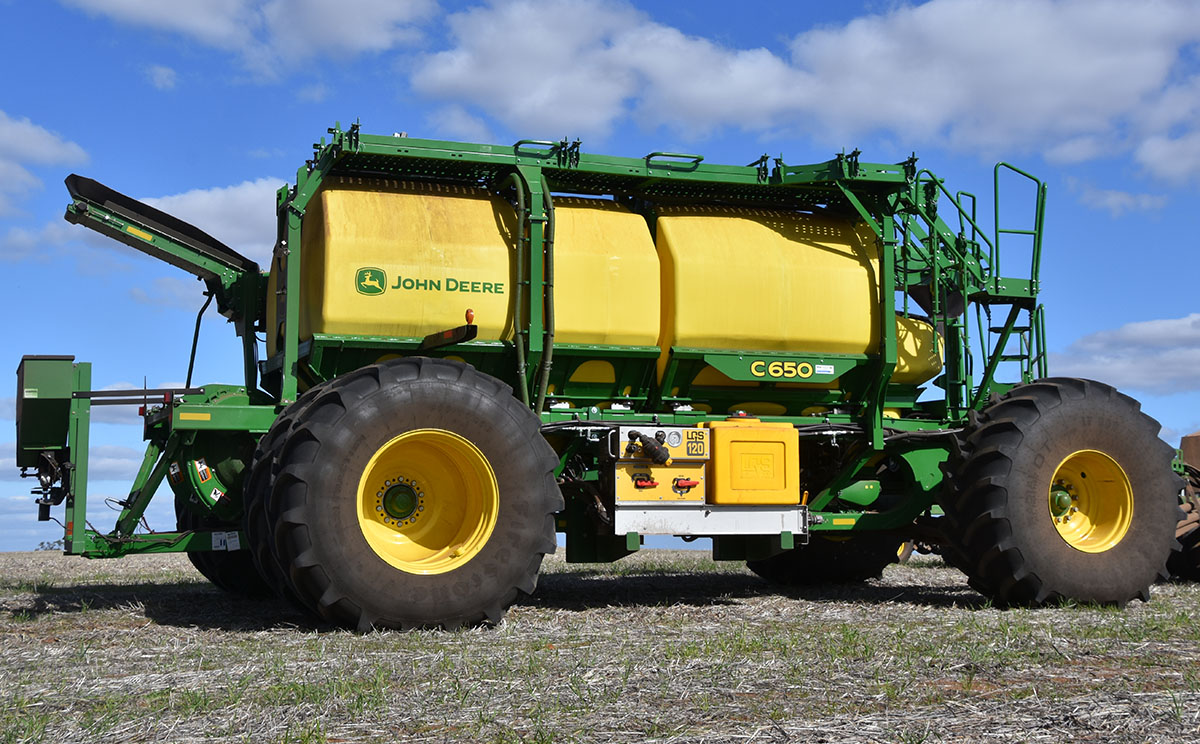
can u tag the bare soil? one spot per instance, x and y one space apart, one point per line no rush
663 646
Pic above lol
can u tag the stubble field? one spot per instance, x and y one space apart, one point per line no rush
664 646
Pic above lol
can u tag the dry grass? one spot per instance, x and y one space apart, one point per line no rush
663 646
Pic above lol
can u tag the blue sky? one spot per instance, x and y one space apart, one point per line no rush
204 108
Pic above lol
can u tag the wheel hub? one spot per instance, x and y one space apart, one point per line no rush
428 501
1060 501
1090 501
400 500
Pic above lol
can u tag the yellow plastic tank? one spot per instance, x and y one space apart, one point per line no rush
769 281
764 280
606 287
754 462
400 259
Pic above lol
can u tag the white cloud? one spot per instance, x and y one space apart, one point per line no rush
22 144
1175 159
315 93
226 24
161 77
456 121
113 462
20 243
169 291
1158 356
241 216
1073 79
299 28
544 69
1116 203
265 33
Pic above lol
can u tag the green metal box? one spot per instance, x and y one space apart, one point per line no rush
44 387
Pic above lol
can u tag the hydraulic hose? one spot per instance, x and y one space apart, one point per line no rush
520 330
548 343
208 298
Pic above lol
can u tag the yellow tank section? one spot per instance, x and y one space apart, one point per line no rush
400 259
769 281
754 462
919 352
390 258
773 281
606 288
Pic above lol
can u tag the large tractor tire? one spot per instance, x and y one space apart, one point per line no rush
233 571
263 467
830 560
1065 492
414 493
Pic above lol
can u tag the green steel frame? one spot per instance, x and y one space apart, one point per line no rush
946 272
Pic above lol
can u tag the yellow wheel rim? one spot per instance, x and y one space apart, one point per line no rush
427 501
1091 501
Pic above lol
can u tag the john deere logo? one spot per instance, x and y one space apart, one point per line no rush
370 280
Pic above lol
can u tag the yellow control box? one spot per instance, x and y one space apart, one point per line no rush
642 481
754 462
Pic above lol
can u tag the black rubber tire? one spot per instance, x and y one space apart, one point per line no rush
233 571
1185 563
263 468
830 561
1006 536
313 504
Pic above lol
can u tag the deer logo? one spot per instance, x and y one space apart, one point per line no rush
370 280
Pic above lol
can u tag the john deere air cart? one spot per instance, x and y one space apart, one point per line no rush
469 348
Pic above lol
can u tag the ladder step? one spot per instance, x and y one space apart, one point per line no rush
1013 357
1015 329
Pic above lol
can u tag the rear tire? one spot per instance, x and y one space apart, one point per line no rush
414 493
1067 494
827 560
233 571
263 468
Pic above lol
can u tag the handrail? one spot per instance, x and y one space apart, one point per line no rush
1038 218
696 159
552 146
961 212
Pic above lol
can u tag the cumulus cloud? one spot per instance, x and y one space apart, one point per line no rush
20 243
298 28
315 93
456 121
113 462
267 32
161 77
226 24
1116 203
1157 356
24 144
1176 159
241 216
169 291
1072 79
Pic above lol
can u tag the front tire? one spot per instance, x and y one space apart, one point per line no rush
1067 493
414 493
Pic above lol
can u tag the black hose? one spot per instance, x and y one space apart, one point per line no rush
518 329
548 344
196 338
